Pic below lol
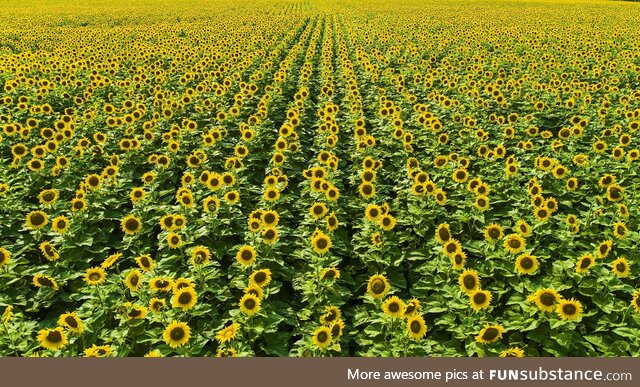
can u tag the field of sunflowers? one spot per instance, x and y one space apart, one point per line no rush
319 178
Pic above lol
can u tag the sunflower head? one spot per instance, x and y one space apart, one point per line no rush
378 286
95 276
250 304
393 307
416 327
322 337
177 334
570 309
469 281
52 339
490 334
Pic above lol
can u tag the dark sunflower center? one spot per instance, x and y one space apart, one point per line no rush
366 189
378 286
131 224
162 283
61 224
177 334
373 213
54 337
260 277
415 326
514 243
269 218
526 263
135 313
48 196
444 234
45 281
451 248
394 307
37 219
479 298
386 222
330 274
322 243
246 255
175 240
569 309
490 334
322 337
270 234
494 233
547 299
250 303
71 321
621 267
94 276
585 263
185 298
317 210
469 282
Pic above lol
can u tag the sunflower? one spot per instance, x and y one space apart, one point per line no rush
451 247
482 202
37 220
332 222
443 233
412 307
331 314
620 230
458 260
161 284
49 251
226 352
378 286
270 218
156 304
176 334
523 228
270 235
479 299
131 224
133 280
182 283
246 256
184 298
526 264
367 190
134 311
387 222
137 195
228 333
512 352
584 263
5 257
569 309
514 243
493 232
78 204
322 337
542 213
615 192
604 248
260 277
145 262
545 299
250 304
95 276
490 334
321 243
620 267
318 210
336 329
416 327
71 321
48 197
52 339
372 212
635 302
232 197
153 353
44 281
330 273
469 281
393 307
200 255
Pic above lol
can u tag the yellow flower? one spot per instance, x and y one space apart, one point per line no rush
52 339
228 333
